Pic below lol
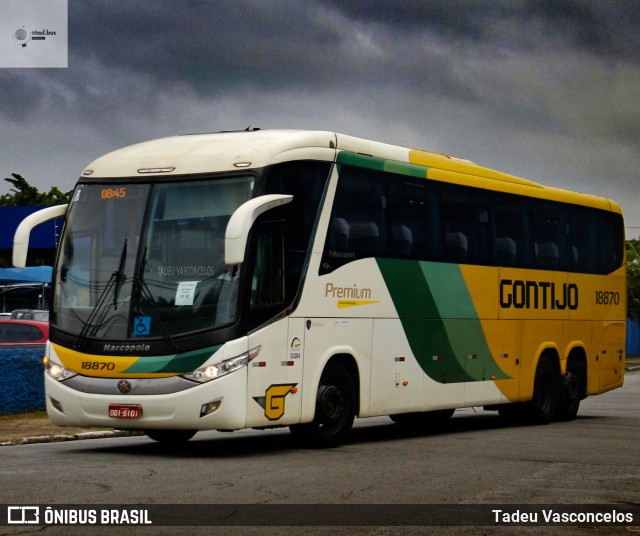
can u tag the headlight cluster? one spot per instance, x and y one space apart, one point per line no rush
211 372
57 372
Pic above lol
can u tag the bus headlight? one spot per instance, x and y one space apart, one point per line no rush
57 372
211 372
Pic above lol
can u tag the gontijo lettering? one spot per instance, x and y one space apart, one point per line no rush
538 295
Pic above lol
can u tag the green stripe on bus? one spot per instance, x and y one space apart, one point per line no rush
381 164
172 364
403 168
360 160
440 321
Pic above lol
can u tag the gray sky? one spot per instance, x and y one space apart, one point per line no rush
548 90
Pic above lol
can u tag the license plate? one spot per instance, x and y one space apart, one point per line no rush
125 411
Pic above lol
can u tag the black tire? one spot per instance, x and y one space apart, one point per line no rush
335 410
541 409
569 395
423 418
170 437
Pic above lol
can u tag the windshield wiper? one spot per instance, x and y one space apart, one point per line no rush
99 312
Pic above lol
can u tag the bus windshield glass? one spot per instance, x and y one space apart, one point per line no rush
122 274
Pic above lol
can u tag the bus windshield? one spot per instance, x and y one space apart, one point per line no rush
141 260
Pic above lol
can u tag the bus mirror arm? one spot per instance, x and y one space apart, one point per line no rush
21 238
241 221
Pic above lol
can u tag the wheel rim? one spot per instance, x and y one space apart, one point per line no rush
331 405
571 386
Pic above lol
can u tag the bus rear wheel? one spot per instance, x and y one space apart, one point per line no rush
335 410
170 437
569 396
542 406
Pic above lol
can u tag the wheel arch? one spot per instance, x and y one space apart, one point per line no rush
338 355
349 363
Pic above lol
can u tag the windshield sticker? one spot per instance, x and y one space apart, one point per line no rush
186 292
141 326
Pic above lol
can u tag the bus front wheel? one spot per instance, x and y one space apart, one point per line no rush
335 410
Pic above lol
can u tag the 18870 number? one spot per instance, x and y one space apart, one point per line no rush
97 365
605 297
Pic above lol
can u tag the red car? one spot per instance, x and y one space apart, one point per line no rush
23 332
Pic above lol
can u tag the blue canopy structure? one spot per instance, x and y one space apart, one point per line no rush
32 274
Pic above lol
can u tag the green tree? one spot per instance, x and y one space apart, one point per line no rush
24 195
633 279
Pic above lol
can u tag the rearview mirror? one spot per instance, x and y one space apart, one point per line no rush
237 233
21 238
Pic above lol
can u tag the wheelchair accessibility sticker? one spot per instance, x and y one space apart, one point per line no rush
141 326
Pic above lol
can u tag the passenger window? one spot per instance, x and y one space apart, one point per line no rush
610 243
548 239
357 229
413 219
582 239
465 223
510 240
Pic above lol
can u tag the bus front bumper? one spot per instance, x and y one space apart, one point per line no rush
216 405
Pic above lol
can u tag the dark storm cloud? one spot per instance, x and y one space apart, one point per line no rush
122 50
602 27
222 43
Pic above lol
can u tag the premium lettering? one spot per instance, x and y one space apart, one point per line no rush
521 294
354 293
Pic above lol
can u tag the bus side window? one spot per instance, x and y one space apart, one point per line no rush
582 239
465 222
548 238
407 217
412 216
610 244
358 226
510 241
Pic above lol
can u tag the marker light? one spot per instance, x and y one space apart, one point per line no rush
157 170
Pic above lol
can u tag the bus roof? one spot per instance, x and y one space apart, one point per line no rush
230 151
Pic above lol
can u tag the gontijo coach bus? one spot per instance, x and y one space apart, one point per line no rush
272 278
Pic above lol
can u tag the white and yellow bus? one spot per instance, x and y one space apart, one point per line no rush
273 278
